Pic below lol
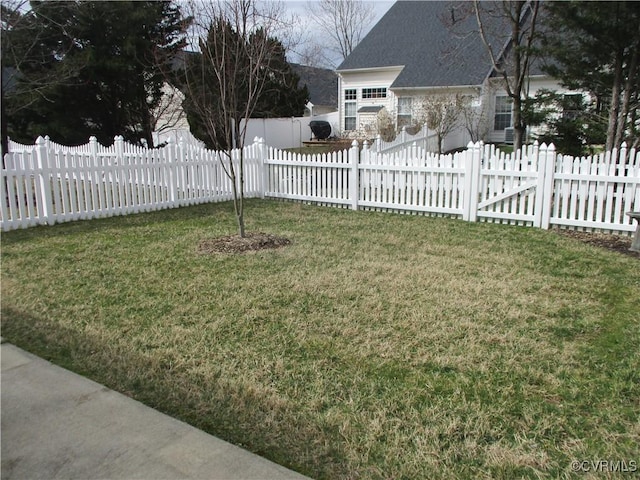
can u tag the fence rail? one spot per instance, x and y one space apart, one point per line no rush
426 139
48 183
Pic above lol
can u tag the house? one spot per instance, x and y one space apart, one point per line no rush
420 50
322 85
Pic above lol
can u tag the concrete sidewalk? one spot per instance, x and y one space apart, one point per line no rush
56 424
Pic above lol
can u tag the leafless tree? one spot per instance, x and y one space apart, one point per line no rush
475 117
343 22
312 54
442 113
508 31
235 43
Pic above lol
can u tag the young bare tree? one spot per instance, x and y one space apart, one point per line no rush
508 31
225 80
475 117
343 22
442 113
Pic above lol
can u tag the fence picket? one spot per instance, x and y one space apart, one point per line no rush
48 183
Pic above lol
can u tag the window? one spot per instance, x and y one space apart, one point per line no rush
350 94
502 117
404 111
374 93
350 115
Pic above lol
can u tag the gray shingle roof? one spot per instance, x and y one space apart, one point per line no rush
321 83
436 42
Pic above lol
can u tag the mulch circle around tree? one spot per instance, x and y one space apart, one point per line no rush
234 244
616 243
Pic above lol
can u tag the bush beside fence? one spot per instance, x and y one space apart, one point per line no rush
47 183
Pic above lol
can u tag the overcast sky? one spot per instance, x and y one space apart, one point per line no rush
301 9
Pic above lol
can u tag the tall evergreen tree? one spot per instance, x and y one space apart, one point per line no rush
595 47
280 95
114 56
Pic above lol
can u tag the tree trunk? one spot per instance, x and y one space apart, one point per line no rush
614 110
518 126
626 97
5 131
238 196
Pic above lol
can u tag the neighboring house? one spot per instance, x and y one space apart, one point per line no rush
422 49
322 85
170 118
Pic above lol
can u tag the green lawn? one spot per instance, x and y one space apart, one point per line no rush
374 346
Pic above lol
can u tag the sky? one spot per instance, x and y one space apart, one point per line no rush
307 29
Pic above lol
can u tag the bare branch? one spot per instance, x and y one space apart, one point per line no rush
343 21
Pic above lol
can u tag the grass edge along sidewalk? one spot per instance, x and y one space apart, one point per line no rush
373 346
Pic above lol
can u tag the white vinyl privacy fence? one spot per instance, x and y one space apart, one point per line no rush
46 184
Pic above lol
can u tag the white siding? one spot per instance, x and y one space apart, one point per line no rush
375 78
535 84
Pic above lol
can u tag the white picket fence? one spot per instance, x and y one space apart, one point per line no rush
47 183
44 185
532 187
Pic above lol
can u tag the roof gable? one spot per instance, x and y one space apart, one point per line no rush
436 41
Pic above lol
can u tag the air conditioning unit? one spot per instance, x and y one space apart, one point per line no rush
508 135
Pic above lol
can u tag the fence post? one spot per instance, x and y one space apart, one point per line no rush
118 143
378 143
353 177
93 146
548 171
539 157
472 165
45 206
366 149
403 135
263 165
425 137
171 148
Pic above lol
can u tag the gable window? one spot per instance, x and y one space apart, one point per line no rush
404 111
350 109
502 118
374 93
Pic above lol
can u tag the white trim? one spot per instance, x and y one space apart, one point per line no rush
371 69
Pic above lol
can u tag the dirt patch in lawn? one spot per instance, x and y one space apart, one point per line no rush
616 243
234 244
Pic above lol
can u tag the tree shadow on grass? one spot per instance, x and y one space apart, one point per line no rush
220 212
226 409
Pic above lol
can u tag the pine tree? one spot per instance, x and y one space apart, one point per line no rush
595 47
111 59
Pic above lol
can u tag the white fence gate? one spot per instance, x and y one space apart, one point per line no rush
45 184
